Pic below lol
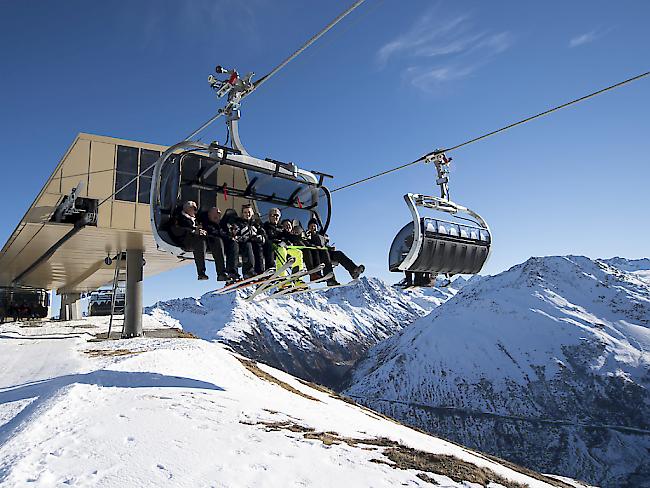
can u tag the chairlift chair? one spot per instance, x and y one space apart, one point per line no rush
440 246
228 177
213 175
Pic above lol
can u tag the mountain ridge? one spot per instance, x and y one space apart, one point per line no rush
561 339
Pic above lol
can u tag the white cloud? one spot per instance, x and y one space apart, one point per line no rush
428 79
452 43
425 38
583 39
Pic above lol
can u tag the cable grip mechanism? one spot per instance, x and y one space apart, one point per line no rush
234 86
442 162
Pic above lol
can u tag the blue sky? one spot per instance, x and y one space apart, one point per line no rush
391 82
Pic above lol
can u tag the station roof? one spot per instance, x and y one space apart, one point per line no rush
102 164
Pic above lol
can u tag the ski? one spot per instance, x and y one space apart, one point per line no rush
264 277
281 283
299 289
265 284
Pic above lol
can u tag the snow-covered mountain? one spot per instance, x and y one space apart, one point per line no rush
317 336
181 412
546 364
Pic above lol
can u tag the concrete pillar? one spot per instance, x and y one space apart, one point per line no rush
133 309
70 306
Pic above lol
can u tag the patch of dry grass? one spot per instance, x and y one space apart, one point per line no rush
398 456
81 326
253 368
528 472
426 478
330 438
183 334
508 464
450 466
286 425
96 353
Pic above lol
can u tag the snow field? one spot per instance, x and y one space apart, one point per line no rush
179 412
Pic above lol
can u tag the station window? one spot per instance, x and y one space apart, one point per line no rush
147 160
130 161
127 169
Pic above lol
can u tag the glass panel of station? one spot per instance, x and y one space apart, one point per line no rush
126 170
148 159
130 161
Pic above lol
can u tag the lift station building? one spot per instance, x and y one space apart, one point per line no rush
73 233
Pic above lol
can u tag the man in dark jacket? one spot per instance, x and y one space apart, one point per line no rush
219 240
273 230
251 237
190 236
317 238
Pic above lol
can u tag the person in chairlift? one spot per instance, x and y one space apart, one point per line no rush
317 238
188 232
221 243
273 230
251 238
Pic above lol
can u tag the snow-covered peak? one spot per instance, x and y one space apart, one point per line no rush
558 337
539 308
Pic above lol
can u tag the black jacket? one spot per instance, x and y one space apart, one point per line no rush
182 226
292 239
317 239
250 230
213 229
273 232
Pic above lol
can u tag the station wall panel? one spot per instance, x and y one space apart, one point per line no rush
75 168
104 213
142 217
102 165
54 185
123 215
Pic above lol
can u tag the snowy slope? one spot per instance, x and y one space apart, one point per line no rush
316 336
189 413
547 364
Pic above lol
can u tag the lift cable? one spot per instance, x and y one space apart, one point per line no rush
266 77
256 85
344 14
502 129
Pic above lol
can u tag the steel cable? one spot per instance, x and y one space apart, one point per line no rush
502 129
